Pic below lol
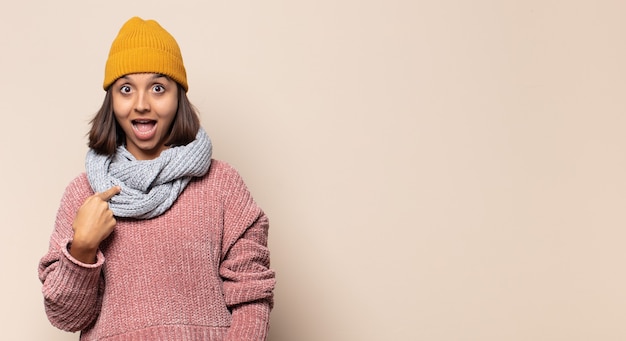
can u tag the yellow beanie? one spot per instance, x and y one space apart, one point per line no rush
143 46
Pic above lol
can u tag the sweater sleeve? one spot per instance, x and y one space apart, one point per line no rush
248 281
71 289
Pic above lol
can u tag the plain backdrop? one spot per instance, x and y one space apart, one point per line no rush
432 170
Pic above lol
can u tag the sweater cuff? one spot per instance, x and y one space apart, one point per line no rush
250 321
65 247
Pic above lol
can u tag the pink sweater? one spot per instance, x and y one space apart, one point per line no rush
200 271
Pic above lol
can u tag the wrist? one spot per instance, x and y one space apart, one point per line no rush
83 253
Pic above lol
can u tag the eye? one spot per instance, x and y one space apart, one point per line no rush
158 88
125 89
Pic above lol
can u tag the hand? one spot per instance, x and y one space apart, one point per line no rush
93 223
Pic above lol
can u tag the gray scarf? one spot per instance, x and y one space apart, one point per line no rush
149 187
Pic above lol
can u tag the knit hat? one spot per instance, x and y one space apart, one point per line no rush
143 46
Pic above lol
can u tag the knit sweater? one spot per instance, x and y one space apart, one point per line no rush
200 271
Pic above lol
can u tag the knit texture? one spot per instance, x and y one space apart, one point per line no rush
144 46
200 271
149 187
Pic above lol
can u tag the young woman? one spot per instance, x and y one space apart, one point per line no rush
157 240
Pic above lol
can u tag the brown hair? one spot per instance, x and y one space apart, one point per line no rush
106 134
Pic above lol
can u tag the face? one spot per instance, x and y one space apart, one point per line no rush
145 105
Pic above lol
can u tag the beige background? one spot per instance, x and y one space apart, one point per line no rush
449 170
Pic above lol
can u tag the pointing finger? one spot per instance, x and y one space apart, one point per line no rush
109 193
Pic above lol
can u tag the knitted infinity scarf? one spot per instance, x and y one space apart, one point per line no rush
149 187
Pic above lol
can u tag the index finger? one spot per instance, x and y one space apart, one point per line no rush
109 193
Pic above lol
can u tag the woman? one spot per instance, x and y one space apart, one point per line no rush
156 241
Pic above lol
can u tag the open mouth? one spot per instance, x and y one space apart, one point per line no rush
144 127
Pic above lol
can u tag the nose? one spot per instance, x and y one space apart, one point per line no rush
142 103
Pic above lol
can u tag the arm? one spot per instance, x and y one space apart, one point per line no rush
71 289
247 278
72 282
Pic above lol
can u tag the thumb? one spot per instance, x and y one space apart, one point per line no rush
109 193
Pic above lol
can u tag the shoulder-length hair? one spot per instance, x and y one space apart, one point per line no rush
106 134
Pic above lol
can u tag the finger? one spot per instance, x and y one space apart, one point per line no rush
109 193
